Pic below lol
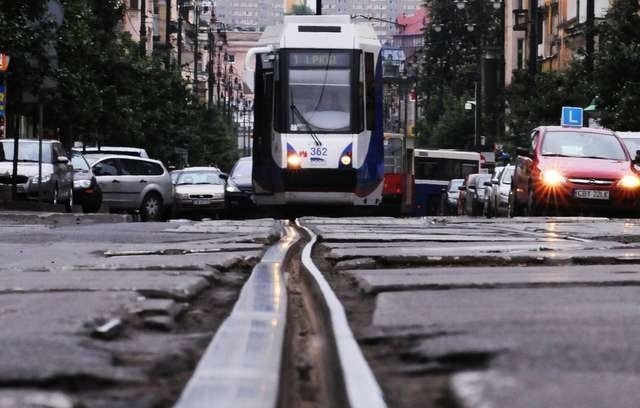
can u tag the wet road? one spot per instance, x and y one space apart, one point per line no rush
478 313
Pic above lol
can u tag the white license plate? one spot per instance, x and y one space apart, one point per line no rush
592 194
201 202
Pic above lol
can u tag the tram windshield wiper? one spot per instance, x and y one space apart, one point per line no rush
315 138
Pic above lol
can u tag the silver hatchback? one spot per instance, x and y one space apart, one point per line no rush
133 183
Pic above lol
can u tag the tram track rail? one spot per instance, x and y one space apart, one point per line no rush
286 343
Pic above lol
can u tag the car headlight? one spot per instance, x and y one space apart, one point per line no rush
552 178
231 188
182 196
45 178
630 181
81 183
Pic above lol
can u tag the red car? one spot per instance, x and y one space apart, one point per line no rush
574 170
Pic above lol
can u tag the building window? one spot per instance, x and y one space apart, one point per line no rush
134 4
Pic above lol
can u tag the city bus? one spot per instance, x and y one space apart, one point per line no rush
432 170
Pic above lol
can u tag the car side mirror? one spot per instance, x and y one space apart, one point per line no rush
224 176
62 160
637 159
487 183
523 151
462 188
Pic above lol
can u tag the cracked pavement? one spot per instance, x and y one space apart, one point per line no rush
115 314
469 312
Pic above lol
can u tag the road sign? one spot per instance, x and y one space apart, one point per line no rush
571 116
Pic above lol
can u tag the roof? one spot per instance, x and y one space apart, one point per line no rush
413 24
575 129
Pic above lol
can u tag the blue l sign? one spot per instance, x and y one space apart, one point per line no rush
571 116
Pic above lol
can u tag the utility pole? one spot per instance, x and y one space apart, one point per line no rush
211 76
143 27
167 32
476 114
589 35
180 36
533 36
195 53
318 7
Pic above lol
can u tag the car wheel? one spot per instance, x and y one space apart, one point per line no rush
532 206
68 205
151 208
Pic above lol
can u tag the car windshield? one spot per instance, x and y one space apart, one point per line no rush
633 145
242 169
27 151
582 144
454 184
79 163
199 177
507 175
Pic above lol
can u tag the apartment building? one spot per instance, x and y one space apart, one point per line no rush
132 19
559 29
382 12
249 15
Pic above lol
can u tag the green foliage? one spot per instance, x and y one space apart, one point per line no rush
450 67
538 100
616 66
108 93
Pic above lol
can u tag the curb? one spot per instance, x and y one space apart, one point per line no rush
361 387
54 218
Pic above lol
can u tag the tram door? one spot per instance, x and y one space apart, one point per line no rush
263 164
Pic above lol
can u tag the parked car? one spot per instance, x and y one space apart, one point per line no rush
497 202
56 179
86 191
200 190
575 170
239 187
474 194
453 194
121 150
489 186
134 184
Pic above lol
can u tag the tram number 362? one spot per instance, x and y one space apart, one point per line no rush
318 151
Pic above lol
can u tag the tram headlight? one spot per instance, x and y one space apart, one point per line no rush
293 161
345 160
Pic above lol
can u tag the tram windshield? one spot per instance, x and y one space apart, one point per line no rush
320 91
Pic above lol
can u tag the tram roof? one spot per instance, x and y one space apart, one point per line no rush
326 31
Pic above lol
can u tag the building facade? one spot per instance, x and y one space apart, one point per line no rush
560 31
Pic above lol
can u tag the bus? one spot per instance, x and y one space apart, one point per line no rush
432 170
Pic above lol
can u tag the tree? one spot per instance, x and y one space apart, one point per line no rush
301 9
616 66
451 65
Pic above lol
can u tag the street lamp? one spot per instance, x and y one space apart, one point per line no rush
460 4
437 27
496 4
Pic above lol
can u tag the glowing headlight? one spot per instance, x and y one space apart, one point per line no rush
45 178
293 160
345 160
630 181
231 188
81 183
552 178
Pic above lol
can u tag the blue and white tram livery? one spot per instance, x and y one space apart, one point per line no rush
318 136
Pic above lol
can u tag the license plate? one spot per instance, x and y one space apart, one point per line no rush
201 202
592 194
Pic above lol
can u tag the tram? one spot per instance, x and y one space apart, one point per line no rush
318 137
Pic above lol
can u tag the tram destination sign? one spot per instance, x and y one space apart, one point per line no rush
320 59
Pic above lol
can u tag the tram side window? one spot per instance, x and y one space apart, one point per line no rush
444 169
369 74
